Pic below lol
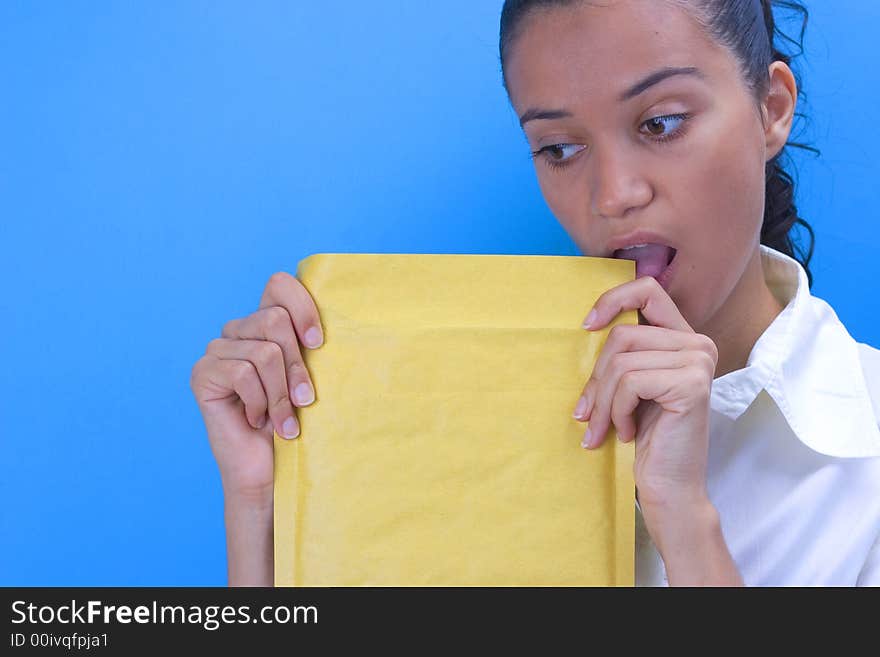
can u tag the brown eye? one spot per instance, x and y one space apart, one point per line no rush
560 152
558 155
660 129
656 125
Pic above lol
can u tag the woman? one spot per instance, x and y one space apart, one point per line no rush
656 128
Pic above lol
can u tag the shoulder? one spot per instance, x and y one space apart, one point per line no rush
832 382
870 360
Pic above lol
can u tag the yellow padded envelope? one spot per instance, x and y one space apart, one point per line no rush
441 449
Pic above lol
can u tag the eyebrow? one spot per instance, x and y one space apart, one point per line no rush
657 77
639 87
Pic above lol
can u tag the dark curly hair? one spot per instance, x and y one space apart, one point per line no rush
747 28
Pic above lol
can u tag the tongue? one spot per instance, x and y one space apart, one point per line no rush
651 259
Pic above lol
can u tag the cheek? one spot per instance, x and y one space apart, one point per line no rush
729 192
560 198
565 196
725 211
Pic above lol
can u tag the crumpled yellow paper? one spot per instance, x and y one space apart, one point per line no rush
441 449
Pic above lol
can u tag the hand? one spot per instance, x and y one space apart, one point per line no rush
653 382
256 369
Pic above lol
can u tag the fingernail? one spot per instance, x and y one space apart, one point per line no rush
588 437
313 337
581 407
303 394
261 422
289 429
588 322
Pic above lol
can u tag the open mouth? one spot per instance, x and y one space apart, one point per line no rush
650 259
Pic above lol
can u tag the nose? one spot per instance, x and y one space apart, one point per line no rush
618 184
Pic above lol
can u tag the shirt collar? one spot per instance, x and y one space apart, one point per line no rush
809 364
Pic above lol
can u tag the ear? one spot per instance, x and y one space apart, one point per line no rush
779 107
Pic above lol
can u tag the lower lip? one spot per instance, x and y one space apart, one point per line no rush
666 275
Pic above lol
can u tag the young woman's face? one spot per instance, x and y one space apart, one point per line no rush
695 182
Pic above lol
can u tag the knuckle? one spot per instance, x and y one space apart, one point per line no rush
273 319
266 352
214 345
628 381
709 346
618 336
196 373
228 329
279 280
241 371
278 319
701 361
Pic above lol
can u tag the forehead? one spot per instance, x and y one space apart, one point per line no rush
599 48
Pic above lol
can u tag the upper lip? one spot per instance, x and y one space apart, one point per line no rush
637 237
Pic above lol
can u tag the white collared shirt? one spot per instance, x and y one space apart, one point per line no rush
794 450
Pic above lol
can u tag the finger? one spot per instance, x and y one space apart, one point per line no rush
644 294
634 387
267 360
611 359
678 389
240 377
606 388
273 324
627 337
288 292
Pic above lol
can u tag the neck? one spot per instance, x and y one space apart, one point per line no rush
748 311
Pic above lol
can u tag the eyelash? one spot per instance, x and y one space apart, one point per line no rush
560 164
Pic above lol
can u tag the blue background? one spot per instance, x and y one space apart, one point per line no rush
160 160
